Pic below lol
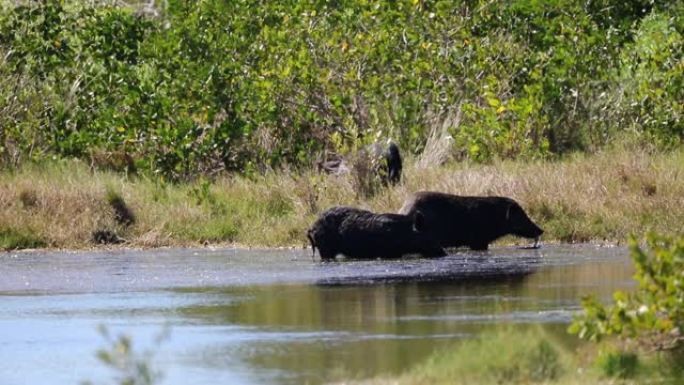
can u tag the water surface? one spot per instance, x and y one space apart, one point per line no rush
276 316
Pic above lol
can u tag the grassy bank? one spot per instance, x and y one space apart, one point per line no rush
602 197
528 356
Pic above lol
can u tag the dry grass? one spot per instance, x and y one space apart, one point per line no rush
602 197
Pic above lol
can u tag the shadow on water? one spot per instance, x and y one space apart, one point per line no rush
276 317
480 266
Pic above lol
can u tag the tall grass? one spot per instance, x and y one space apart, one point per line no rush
602 197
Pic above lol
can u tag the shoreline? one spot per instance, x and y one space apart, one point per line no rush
240 247
124 248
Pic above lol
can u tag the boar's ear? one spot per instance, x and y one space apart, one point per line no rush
418 221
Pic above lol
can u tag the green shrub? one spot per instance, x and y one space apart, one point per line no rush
618 364
211 85
654 313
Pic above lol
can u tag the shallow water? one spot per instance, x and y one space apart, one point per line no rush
277 317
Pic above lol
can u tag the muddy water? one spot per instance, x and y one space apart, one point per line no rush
277 317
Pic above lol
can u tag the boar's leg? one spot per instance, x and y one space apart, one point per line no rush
313 244
326 253
479 246
537 243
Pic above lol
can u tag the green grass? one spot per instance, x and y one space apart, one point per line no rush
495 358
528 356
618 364
11 239
603 197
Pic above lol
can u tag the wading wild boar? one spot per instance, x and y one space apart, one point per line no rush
470 221
359 233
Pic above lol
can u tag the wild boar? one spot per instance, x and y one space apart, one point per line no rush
360 233
470 221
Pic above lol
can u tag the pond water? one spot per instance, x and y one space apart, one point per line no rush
276 316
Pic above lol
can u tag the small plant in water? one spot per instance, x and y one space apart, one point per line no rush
130 366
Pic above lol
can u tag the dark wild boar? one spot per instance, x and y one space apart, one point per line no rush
391 166
469 221
386 162
359 233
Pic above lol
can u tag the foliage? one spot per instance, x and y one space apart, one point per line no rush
206 86
531 356
618 364
12 238
654 313
131 367
651 70
510 356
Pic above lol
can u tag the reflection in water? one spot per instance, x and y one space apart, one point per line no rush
385 328
288 320
363 330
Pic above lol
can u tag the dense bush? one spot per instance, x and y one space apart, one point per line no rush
213 85
654 313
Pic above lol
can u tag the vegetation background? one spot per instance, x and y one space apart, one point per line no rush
206 119
187 88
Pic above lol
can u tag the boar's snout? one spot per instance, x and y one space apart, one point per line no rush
522 225
534 231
